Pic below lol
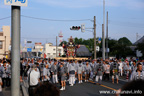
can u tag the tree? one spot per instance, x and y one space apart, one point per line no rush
124 41
63 42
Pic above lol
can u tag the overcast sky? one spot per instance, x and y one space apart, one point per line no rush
126 18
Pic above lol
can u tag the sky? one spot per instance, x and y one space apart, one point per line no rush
126 18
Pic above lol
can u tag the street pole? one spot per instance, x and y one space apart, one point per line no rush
103 30
56 46
103 43
94 37
15 29
107 38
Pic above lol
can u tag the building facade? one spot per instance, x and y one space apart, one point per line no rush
5 42
50 51
39 48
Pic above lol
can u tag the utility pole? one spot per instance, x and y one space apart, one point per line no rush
94 37
15 29
103 43
103 28
107 37
56 46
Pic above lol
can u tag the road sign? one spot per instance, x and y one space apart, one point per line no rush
16 2
97 48
29 49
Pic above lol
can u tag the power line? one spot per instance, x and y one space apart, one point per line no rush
5 18
54 19
36 38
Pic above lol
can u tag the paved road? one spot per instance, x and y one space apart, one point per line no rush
84 89
90 89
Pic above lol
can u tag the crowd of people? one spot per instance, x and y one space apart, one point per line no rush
62 71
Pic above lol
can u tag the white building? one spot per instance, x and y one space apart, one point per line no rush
39 48
50 50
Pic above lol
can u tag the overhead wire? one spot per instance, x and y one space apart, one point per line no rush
5 18
55 19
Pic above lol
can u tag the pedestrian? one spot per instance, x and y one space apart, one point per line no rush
120 67
137 74
127 70
87 71
5 75
42 66
63 76
72 72
134 66
114 71
33 79
107 71
99 72
1 94
93 65
26 68
80 70
54 70
46 74
9 74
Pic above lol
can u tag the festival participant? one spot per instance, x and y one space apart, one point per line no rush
80 70
46 74
134 66
33 79
26 68
137 74
99 72
54 70
63 76
114 71
76 64
120 67
87 71
72 72
107 71
5 75
8 73
128 70
93 65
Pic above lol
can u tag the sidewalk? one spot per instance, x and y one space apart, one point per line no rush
7 91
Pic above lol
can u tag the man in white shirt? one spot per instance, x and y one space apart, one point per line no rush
120 67
33 79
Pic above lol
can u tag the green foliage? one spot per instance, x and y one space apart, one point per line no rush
63 42
124 41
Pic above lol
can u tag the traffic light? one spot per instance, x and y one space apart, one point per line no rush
82 27
75 28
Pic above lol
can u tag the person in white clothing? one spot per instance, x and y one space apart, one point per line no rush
33 79
120 67
72 72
